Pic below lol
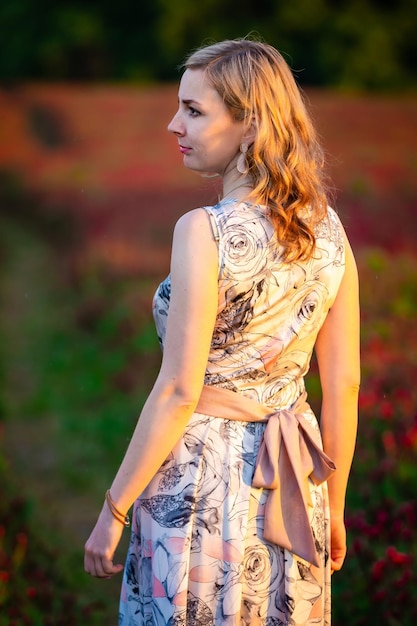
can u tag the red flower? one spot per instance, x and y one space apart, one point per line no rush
399 558
387 410
4 576
378 569
409 439
401 582
389 442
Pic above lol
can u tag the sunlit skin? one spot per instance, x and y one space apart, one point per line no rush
338 357
208 137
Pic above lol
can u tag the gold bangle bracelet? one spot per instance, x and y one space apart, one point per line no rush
123 519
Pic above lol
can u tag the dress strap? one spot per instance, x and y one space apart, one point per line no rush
289 455
213 223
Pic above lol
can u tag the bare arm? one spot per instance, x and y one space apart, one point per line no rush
190 324
337 350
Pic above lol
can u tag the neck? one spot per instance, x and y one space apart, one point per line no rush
239 190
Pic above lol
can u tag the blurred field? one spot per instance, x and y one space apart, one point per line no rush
90 187
104 154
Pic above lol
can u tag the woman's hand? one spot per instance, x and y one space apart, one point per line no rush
337 543
101 546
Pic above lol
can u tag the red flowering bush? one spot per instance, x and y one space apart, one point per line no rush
378 584
33 588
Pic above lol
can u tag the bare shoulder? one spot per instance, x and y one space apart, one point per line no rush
194 223
193 217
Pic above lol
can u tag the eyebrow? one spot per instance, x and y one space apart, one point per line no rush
189 101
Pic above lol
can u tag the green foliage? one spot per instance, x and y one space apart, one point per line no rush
88 348
353 44
77 365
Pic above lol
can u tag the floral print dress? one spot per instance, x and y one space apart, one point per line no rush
197 556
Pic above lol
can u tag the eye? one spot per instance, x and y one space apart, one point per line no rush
193 112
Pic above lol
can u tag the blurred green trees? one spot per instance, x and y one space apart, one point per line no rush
350 44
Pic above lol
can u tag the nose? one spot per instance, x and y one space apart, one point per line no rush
175 126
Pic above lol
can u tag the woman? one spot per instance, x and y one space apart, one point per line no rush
233 522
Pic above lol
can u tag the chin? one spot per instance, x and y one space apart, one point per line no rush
201 172
209 174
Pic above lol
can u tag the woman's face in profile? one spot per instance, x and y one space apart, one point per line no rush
208 137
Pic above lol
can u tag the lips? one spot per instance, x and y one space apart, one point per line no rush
184 150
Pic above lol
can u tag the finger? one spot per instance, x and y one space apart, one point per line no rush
102 568
336 564
89 566
93 565
117 568
110 569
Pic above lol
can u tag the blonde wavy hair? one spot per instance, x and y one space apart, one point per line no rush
286 160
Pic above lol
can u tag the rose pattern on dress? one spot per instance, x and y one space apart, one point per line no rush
234 318
263 573
197 555
242 244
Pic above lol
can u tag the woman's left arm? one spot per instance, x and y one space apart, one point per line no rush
338 355
190 324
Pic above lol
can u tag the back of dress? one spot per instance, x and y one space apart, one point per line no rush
198 553
269 311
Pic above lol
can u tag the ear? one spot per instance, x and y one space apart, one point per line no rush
250 133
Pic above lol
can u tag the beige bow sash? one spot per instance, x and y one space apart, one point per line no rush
290 453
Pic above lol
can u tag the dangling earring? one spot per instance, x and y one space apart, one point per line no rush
242 164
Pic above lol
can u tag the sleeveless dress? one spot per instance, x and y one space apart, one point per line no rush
197 556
